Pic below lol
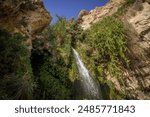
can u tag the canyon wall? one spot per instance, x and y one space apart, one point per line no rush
28 17
136 19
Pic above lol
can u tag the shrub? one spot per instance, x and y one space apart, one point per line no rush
108 40
54 69
15 68
54 80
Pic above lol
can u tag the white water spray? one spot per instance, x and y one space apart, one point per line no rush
88 86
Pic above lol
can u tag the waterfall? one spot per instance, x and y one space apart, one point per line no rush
87 87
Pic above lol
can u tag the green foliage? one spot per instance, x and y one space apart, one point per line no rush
15 68
108 40
66 32
64 35
54 80
129 2
104 51
56 67
73 73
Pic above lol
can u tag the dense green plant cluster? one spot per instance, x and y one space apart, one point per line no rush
54 79
104 51
15 68
57 68
108 40
64 35
47 76
50 72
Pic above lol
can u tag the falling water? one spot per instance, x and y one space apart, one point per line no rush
86 87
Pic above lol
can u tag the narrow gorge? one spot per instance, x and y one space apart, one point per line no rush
103 54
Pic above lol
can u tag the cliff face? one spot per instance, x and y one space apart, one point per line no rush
136 19
27 17
88 18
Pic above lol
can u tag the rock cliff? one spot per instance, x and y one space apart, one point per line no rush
88 18
27 17
136 19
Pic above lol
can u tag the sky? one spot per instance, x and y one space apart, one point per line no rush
70 8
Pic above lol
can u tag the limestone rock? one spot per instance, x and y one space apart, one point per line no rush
140 23
28 17
99 13
83 13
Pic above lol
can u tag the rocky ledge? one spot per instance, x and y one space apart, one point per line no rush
27 17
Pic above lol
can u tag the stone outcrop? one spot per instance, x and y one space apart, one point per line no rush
98 13
137 22
27 17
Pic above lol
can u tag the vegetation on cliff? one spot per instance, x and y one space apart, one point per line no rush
50 73
15 69
57 70
104 51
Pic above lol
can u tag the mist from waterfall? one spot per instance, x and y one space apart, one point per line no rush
86 87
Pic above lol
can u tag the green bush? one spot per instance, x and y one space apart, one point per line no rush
58 70
54 68
108 40
15 68
54 79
